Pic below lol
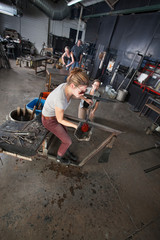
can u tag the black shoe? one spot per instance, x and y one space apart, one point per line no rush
63 160
71 156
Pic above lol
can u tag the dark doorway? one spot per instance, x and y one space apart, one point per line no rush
73 33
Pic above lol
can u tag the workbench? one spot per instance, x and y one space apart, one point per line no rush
39 62
15 145
33 62
45 144
54 72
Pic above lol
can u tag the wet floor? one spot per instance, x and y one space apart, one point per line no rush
115 200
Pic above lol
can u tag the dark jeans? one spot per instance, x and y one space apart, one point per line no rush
59 131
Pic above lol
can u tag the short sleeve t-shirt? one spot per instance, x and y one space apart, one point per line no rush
77 51
56 98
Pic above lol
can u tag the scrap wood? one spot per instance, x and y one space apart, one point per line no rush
94 152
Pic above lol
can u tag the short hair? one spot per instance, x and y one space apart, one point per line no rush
97 80
78 77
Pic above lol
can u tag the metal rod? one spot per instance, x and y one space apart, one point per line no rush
146 149
152 168
100 126
17 155
99 98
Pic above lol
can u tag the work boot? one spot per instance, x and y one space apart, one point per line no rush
71 156
63 160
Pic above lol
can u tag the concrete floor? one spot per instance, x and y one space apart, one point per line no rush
102 201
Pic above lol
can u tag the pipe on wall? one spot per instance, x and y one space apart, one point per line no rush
144 9
55 11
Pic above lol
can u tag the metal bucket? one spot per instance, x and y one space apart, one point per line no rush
20 117
110 92
122 95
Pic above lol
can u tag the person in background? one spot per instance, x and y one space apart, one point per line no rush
67 58
77 53
54 107
84 107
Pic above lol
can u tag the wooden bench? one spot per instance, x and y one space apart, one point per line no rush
150 104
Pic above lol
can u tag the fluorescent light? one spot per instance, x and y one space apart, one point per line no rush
7 9
8 13
73 2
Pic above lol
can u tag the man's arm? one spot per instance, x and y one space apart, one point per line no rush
92 112
80 59
89 101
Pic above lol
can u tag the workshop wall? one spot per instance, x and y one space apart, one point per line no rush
33 25
62 28
130 33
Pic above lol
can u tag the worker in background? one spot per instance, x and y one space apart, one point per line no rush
54 107
85 108
67 58
77 53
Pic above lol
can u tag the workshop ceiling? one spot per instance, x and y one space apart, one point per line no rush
110 3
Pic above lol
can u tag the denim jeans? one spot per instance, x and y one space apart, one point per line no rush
75 64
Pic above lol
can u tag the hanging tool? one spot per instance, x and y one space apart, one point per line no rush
129 71
157 145
114 74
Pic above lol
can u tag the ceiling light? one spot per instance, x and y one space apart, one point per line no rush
7 9
8 13
73 2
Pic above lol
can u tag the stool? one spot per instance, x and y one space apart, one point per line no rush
149 105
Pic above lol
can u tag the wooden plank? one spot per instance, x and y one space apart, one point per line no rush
153 107
94 152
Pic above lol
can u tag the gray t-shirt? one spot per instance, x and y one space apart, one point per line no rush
56 98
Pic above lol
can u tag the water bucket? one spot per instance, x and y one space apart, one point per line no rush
122 95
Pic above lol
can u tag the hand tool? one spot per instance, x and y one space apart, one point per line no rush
24 111
6 139
18 111
29 134
32 114
38 104
26 139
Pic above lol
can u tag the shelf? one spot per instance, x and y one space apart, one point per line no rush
145 87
